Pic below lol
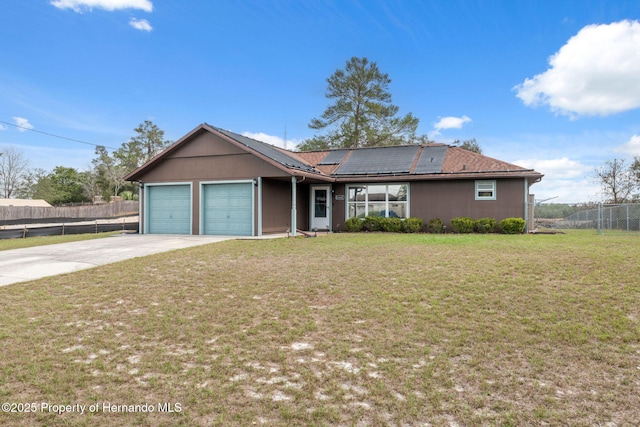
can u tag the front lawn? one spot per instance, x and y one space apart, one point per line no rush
365 329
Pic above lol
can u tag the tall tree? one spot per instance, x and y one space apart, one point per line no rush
89 181
469 145
146 143
635 170
66 186
109 169
37 185
617 180
13 167
361 114
109 172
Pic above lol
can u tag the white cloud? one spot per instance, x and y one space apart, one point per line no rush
110 5
22 123
3 127
631 147
565 180
563 168
451 123
597 72
140 24
273 140
554 190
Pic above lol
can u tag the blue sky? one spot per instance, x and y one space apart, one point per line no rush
552 85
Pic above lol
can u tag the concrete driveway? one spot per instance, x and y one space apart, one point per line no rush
20 265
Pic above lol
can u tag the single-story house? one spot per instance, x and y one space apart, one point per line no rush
213 181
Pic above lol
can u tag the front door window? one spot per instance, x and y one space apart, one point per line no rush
320 203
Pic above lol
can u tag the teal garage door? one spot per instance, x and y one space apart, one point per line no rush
169 209
227 209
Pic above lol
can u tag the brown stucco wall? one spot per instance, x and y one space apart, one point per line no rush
276 206
209 157
450 199
338 206
302 207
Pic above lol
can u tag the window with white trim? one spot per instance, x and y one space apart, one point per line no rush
387 200
486 190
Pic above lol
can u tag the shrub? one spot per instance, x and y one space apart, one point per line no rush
485 225
372 223
436 226
353 225
391 225
126 195
512 225
412 225
462 224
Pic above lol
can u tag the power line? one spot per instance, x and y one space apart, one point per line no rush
57 136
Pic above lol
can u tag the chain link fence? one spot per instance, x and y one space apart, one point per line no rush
623 217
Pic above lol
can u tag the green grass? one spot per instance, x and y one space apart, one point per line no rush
29 242
366 329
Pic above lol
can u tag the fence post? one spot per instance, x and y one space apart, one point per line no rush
627 217
599 216
610 218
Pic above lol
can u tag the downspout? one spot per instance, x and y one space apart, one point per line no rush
140 191
294 214
526 204
259 206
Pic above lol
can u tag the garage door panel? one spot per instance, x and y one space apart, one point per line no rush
169 209
228 209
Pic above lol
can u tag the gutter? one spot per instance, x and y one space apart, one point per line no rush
441 176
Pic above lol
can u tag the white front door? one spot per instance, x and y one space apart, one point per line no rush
321 208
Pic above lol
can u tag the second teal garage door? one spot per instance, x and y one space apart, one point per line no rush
227 209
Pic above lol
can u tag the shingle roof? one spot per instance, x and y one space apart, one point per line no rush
459 160
272 152
429 161
410 160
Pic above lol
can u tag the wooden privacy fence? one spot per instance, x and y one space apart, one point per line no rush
26 214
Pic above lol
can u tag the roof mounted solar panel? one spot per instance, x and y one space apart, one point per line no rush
380 160
269 151
334 157
431 159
